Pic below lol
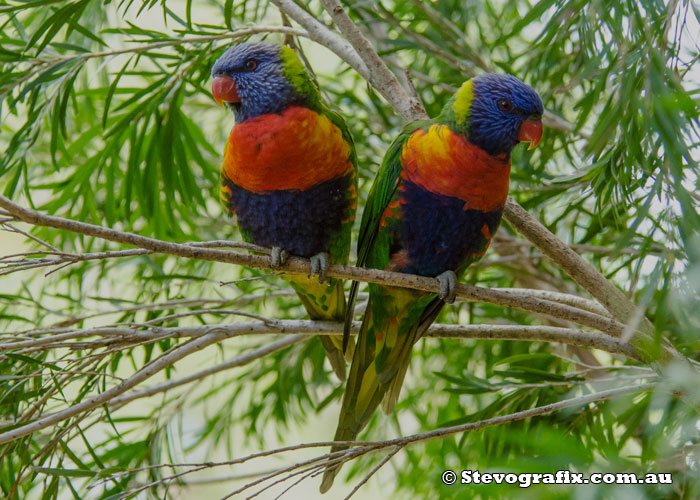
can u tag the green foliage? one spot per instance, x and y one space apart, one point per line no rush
106 117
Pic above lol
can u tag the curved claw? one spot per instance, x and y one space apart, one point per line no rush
278 257
319 266
448 286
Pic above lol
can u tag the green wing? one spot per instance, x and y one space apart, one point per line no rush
341 239
338 120
383 190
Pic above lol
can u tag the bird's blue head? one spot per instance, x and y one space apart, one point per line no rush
496 112
257 78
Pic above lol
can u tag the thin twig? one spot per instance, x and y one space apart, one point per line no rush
239 33
363 448
12 229
373 471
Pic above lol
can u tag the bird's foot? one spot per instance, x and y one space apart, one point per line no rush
278 257
448 286
319 266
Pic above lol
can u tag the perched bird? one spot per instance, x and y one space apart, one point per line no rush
432 210
289 172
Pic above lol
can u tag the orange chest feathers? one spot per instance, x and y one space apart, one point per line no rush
447 164
296 149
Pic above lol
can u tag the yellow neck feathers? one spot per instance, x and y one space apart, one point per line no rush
463 103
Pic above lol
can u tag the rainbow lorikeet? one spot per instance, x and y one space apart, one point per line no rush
432 210
289 172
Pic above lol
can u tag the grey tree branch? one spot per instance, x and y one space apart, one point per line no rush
21 262
170 304
301 266
571 336
592 281
297 330
318 32
380 76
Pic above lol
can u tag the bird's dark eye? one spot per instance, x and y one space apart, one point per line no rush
250 65
505 105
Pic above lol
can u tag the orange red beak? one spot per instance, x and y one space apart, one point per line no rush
224 90
531 131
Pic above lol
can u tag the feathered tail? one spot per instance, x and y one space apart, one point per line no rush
377 372
325 303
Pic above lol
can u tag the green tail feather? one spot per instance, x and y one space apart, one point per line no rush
426 319
366 387
353 416
333 345
325 303
380 362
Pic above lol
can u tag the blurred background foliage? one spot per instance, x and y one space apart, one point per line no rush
106 117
